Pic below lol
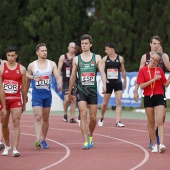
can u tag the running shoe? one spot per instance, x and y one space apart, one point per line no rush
162 148
44 144
15 153
65 118
2 146
78 121
91 144
37 144
100 122
72 120
5 152
119 124
154 148
85 147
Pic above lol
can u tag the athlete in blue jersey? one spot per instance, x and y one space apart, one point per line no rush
41 93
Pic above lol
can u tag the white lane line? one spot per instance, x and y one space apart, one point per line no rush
59 161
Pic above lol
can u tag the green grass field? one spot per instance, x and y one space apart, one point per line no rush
126 114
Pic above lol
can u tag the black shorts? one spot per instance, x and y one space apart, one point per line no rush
83 97
153 101
66 88
116 87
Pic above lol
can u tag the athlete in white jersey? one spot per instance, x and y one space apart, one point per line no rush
41 93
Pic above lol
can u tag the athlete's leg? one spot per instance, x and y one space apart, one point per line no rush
16 115
151 123
65 103
5 128
83 122
118 96
73 107
104 104
38 110
160 118
45 124
93 113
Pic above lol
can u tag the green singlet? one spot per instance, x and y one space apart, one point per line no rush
87 72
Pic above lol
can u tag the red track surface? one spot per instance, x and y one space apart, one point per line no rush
115 148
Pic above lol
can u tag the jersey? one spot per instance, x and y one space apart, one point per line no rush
66 69
42 87
145 76
160 64
112 70
12 80
87 72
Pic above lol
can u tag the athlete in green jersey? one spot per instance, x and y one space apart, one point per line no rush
87 64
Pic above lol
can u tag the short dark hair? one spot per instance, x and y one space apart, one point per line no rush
11 49
40 45
156 37
110 45
86 36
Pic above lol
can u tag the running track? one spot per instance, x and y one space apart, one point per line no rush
115 148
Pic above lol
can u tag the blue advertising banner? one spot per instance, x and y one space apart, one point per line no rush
128 93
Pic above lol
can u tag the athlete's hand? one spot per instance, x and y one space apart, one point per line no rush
23 108
59 87
136 96
103 89
3 112
37 78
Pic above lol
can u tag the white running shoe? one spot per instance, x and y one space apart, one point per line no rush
5 152
119 124
78 121
162 148
15 153
100 122
154 148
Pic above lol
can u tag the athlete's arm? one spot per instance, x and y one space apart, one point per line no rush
72 77
122 68
57 75
24 88
101 70
165 59
2 96
142 64
30 72
60 64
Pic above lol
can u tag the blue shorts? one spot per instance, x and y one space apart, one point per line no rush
43 101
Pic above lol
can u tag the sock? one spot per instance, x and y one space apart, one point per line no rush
156 131
91 139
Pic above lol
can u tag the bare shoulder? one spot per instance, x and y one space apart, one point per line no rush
98 58
75 60
62 57
104 58
23 69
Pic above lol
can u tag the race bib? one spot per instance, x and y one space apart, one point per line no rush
112 73
87 78
67 71
43 83
10 86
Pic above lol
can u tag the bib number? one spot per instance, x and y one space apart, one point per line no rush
87 78
112 73
10 86
67 71
43 83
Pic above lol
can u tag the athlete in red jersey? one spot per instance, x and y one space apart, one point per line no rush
14 83
151 78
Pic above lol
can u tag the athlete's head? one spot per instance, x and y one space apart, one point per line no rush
41 51
71 48
109 48
155 43
86 42
12 54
